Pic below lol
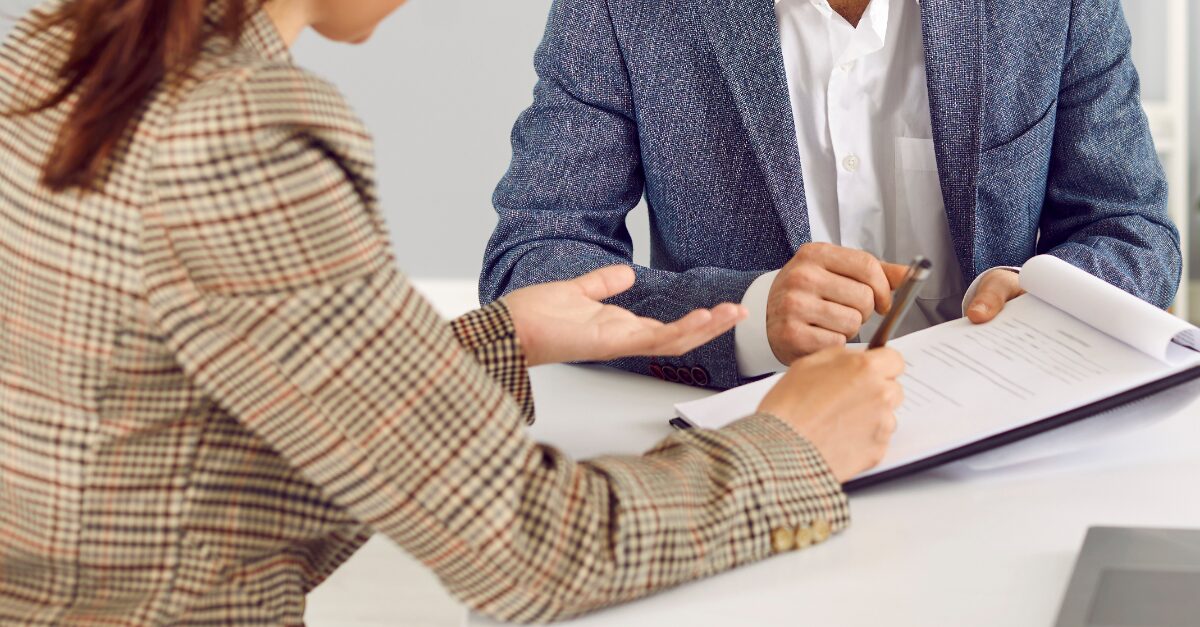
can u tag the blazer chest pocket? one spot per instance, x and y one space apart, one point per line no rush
1027 152
1012 184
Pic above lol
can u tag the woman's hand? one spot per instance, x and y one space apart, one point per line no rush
843 402
566 321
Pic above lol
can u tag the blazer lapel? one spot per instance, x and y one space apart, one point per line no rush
953 35
745 37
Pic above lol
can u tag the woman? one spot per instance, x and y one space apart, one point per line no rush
215 384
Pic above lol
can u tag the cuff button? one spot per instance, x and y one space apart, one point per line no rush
821 531
804 537
782 539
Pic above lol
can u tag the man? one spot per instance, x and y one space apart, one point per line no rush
784 148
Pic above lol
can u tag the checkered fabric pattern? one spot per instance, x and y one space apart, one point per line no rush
215 384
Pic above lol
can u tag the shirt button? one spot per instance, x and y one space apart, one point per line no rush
851 163
846 67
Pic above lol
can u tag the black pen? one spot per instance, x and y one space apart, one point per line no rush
918 271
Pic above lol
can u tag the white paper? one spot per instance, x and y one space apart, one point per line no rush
719 410
967 382
1105 307
1085 440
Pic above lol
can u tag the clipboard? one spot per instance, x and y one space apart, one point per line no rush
1012 436
1071 348
1027 431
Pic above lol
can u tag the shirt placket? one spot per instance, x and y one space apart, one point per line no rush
860 209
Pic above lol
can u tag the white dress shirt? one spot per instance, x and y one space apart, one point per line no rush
860 102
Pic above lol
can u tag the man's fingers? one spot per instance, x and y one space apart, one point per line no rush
804 339
837 318
850 293
862 267
995 290
985 307
606 282
895 273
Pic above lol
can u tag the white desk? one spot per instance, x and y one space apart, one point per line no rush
952 547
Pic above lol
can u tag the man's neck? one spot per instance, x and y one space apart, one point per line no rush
852 10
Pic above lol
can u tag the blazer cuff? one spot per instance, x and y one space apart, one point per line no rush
489 334
806 489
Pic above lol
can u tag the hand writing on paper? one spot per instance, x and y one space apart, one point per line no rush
996 288
844 403
567 321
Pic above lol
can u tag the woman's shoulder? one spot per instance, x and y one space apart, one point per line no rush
240 87
236 101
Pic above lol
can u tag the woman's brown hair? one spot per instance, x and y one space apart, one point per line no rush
120 52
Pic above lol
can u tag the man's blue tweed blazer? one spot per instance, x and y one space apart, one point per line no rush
1041 141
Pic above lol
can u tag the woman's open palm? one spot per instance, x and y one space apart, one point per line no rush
567 321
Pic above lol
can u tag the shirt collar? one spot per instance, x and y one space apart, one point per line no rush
866 40
829 8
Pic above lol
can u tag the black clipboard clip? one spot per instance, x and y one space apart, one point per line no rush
683 424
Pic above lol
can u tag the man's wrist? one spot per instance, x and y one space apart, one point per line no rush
751 344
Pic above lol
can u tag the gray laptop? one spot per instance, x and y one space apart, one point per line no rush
1128 577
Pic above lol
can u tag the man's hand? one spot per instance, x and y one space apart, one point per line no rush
995 289
822 297
566 322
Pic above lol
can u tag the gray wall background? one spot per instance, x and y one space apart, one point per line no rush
443 80
440 84
1147 19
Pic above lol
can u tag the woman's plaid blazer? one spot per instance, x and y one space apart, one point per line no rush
215 384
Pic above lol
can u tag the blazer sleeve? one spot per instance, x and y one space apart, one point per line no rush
268 269
489 335
1106 200
575 175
